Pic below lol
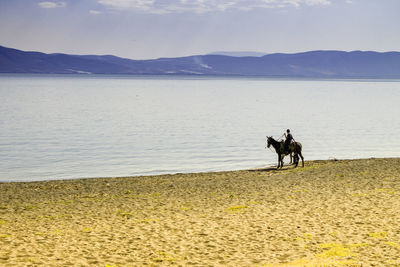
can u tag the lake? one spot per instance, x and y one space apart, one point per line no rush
80 126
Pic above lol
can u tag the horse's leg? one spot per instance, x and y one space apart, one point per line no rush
302 159
296 160
279 161
291 157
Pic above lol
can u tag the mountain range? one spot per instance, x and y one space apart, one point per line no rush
313 64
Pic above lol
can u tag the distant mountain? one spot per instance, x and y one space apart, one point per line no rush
238 54
314 64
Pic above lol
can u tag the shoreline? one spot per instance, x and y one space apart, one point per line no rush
268 167
329 213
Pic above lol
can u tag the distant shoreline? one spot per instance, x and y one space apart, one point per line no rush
271 167
197 77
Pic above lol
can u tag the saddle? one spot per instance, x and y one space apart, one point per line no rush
283 147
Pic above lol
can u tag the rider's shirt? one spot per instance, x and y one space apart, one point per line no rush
289 138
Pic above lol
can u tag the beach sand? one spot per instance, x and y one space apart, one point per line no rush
329 213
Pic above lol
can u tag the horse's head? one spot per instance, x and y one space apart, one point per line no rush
269 141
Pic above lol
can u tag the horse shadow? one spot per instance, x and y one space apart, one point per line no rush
273 169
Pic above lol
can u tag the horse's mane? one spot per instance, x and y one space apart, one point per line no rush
273 140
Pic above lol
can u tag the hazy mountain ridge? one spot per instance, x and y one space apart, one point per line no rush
238 53
315 64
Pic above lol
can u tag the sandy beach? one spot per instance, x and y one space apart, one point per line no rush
329 213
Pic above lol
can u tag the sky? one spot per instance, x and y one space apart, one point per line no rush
147 29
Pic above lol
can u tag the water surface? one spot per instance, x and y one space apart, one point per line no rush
76 126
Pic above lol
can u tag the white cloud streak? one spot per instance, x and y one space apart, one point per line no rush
204 6
124 4
52 4
95 12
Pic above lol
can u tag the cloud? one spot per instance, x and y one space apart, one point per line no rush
124 4
204 6
95 12
52 4
317 2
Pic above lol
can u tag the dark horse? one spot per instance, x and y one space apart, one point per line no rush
294 147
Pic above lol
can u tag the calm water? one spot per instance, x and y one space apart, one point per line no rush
54 127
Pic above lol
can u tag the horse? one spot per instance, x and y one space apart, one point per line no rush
294 147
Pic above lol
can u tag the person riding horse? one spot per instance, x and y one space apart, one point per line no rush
293 147
289 138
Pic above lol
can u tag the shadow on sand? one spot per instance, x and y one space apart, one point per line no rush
272 168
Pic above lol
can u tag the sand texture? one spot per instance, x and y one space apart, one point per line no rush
329 213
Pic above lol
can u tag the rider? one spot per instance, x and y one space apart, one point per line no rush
289 139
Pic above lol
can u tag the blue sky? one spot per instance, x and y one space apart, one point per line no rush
143 29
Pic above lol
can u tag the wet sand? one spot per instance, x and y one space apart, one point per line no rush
329 213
